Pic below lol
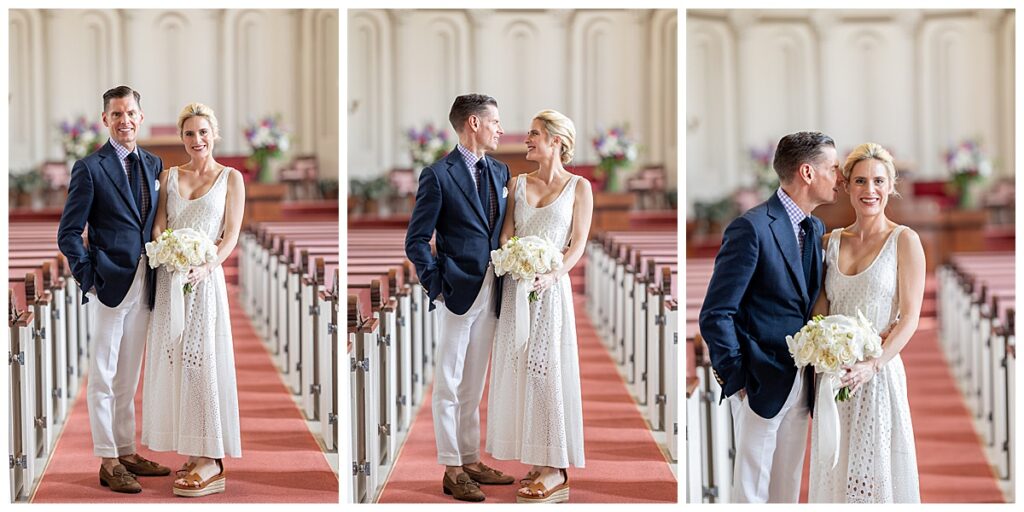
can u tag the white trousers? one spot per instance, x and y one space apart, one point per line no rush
114 369
770 451
463 350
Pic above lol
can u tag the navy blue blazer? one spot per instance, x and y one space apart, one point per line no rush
99 196
447 204
757 296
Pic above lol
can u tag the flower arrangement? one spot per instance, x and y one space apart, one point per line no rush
178 250
525 257
616 151
268 140
426 146
80 137
967 163
828 343
761 158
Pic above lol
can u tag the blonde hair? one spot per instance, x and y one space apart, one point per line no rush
873 151
198 110
557 125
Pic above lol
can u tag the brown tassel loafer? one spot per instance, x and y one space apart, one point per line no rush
463 488
488 476
143 467
119 480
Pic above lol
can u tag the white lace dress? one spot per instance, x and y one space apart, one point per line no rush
877 458
534 407
190 398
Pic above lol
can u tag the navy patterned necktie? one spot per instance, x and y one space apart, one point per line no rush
483 188
807 252
135 181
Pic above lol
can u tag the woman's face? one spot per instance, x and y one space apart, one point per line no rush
539 145
869 186
197 135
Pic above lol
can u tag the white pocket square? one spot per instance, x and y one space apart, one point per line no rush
504 192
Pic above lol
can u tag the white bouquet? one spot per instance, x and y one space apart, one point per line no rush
180 249
828 343
525 257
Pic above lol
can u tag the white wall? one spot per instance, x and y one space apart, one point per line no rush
245 64
599 67
911 80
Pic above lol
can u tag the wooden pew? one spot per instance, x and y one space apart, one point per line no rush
289 285
712 425
630 289
382 286
21 407
48 348
377 299
362 335
976 300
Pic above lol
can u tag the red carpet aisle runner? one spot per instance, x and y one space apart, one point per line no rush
281 462
623 463
950 457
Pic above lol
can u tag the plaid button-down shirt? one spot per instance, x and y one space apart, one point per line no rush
796 216
122 156
471 159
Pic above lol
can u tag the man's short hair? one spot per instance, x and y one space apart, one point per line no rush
468 105
121 91
797 149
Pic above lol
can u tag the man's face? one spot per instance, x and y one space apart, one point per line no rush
123 118
489 130
824 185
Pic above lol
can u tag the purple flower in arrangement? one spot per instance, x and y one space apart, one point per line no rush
427 145
268 136
616 150
762 158
967 163
615 145
268 139
967 160
80 137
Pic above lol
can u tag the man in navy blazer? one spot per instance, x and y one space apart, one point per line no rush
766 280
460 202
114 192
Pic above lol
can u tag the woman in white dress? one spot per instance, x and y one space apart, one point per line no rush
878 268
535 411
190 399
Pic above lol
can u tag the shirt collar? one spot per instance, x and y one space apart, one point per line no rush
468 156
796 215
122 152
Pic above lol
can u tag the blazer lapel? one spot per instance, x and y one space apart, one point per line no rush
816 262
460 173
152 172
782 230
497 185
112 168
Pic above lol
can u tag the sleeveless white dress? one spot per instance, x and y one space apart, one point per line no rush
877 457
190 398
534 407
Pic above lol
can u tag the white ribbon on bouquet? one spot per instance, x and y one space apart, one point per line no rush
177 320
522 314
827 417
